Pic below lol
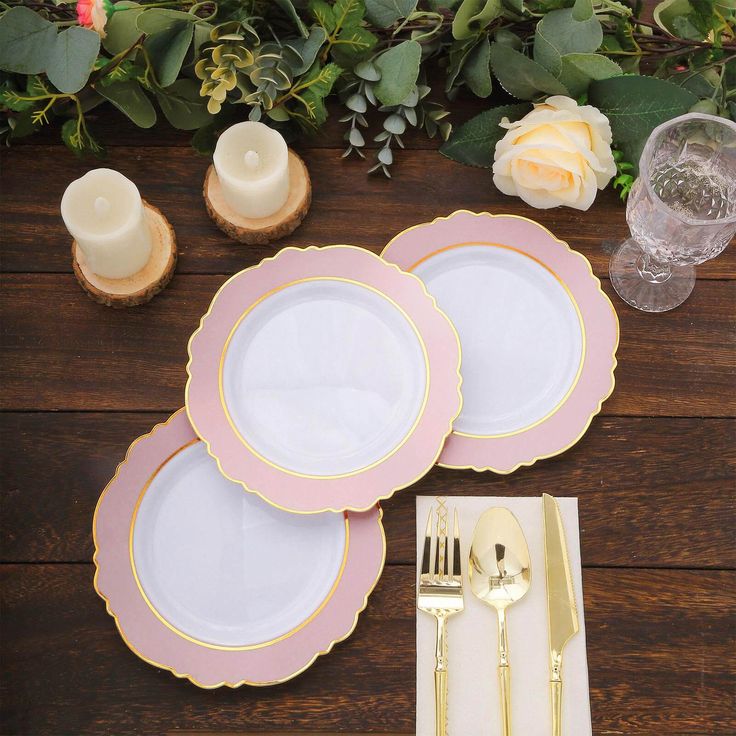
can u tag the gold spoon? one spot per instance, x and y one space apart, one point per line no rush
500 574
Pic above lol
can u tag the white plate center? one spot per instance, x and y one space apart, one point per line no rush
324 377
521 337
224 567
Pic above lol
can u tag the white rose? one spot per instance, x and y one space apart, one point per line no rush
559 153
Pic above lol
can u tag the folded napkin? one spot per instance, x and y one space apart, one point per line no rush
473 704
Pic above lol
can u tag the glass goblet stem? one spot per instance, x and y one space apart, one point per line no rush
652 270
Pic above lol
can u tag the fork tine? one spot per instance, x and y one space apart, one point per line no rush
438 548
446 560
456 567
426 553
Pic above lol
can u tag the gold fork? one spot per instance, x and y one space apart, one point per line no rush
441 595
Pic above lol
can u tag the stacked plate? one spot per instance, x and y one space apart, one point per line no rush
322 381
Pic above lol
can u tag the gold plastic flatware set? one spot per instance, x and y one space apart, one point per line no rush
499 573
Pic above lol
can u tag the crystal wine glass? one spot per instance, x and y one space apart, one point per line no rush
681 211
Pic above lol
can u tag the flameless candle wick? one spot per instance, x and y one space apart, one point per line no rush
102 206
252 160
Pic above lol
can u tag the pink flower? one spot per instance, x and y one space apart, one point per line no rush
94 14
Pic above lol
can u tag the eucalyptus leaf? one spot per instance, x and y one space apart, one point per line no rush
522 77
121 28
578 70
156 20
26 40
167 48
394 124
356 103
131 100
182 105
582 10
367 71
71 58
309 47
558 34
508 38
477 70
384 13
473 16
355 138
399 69
385 156
474 142
287 6
635 105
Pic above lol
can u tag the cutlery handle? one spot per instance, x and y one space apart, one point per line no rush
440 678
504 680
556 690
504 672
440 699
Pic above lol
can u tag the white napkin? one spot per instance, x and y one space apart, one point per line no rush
473 705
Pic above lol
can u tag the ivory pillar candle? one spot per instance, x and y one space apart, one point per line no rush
104 213
252 165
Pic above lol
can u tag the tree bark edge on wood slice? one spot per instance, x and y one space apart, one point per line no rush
267 229
142 286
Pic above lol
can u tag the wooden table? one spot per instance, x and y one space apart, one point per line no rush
654 474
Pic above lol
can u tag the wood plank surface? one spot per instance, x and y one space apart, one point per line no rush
655 668
62 351
348 206
655 474
649 495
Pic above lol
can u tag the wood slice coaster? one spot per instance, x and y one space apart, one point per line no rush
265 229
141 286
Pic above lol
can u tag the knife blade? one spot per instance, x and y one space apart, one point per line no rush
562 611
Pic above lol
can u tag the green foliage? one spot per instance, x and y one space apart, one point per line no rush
473 16
474 142
122 28
635 105
204 66
182 105
384 13
521 76
131 100
169 34
624 178
71 58
399 69
25 41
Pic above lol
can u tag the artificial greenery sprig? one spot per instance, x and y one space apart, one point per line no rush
207 64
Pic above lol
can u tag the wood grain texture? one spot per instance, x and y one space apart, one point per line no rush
347 206
637 479
654 474
680 364
654 667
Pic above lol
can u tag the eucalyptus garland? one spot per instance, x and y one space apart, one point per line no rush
398 64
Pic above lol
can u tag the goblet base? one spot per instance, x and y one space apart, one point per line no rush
646 291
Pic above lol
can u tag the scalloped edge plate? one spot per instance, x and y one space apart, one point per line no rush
358 490
161 645
570 419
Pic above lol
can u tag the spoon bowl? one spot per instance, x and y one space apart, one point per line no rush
500 569
500 574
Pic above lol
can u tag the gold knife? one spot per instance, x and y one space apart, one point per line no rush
561 609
